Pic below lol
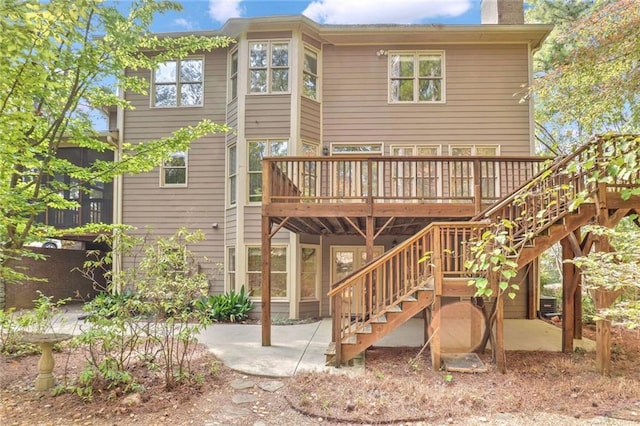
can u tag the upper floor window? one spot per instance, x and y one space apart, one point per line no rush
174 170
257 151
178 83
416 76
233 75
356 148
310 74
232 168
269 67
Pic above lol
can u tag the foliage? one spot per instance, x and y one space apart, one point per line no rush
617 270
40 319
232 306
587 75
145 317
54 69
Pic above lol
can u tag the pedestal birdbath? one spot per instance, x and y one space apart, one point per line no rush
45 379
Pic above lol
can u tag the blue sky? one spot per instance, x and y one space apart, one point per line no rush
211 14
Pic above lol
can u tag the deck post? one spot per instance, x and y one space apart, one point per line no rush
266 281
477 186
568 296
501 359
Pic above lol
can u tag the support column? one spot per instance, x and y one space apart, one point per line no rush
266 281
568 295
501 358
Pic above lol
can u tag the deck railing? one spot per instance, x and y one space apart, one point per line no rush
357 179
369 292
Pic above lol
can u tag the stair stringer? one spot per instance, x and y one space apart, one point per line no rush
377 330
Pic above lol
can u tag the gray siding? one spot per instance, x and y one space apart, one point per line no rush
310 119
232 121
480 107
146 204
267 116
231 225
309 309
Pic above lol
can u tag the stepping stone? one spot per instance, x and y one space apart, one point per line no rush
243 398
270 386
239 384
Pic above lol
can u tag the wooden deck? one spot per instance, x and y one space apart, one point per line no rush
399 195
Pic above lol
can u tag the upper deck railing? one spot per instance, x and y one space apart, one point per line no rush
359 179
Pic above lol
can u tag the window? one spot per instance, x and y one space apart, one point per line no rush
178 83
174 170
461 174
310 74
416 77
309 272
232 168
231 267
356 148
350 178
257 151
268 67
233 73
278 271
416 179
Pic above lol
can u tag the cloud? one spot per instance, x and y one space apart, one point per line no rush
383 11
221 10
183 23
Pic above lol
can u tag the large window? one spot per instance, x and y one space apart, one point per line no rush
257 151
174 170
278 271
310 74
416 77
269 67
232 170
178 83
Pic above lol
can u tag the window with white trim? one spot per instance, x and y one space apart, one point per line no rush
232 173
310 74
461 173
233 75
173 171
231 267
179 83
416 76
309 272
269 67
416 179
259 149
350 179
278 271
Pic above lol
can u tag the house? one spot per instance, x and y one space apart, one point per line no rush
349 140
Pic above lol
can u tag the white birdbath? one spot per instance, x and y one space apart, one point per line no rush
45 379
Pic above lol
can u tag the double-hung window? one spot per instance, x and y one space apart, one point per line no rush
257 151
310 74
416 76
179 83
278 271
174 170
233 76
269 67
232 173
417 179
461 173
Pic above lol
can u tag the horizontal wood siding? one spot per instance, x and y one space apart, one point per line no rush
253 227
310 119
268 35
198 206
309 309
231 226
483 90
267 116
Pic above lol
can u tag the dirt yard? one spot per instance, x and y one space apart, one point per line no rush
540 388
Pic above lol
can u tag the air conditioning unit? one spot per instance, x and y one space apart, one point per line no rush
548 306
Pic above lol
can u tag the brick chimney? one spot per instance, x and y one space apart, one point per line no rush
505 12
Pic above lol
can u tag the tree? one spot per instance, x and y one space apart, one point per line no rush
587 74
53 70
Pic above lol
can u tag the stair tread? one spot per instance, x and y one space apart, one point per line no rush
382 319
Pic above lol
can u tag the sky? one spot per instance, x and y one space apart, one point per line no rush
212 14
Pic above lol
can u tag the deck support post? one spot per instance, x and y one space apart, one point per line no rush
501 358
266 281
568 296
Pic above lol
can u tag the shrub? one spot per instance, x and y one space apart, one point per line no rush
232 306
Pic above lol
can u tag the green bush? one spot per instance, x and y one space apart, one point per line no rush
232 306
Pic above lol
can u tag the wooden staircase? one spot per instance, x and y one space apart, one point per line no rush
413 276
